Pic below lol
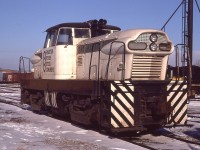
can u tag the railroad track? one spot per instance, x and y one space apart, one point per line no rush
14 85
194 116
10 94
162 140
10 98
183 139
9 88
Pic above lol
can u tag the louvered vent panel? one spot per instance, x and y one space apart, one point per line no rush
146 67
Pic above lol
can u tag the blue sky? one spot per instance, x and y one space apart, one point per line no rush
23 22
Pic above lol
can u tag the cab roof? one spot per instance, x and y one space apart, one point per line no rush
88 24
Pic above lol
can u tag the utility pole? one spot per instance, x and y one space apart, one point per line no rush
190 45
190 28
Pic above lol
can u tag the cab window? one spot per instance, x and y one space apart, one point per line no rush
65 37
81 33
103 32
50 39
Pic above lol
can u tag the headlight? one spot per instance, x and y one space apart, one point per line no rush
153 46
153 38
137 45
165 46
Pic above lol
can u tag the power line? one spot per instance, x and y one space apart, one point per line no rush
197 5
172 15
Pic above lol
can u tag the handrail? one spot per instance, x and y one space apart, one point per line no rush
177 60
123 60
91 61
22 68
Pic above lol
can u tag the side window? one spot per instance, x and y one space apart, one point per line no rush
50 39
81 33
65 37
103 32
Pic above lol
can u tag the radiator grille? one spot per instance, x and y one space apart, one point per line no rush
145 37
146 67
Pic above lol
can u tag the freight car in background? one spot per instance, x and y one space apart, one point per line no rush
93 73
15 77
7 75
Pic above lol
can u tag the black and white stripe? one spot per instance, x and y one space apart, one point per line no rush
122 102
177 98
50 99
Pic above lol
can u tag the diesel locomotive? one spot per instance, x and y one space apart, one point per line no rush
96 74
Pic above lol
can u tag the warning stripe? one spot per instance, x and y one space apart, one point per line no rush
173 88
46 97
124 92
115 123
122 112
50 99
122 105
53 99
177 99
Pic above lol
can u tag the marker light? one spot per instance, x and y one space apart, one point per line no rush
153 38
165 46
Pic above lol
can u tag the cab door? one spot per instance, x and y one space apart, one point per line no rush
48 55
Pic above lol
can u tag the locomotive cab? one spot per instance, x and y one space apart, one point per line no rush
57 60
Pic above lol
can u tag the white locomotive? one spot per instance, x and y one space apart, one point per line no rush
94 73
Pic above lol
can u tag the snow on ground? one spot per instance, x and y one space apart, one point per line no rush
22 129
10 93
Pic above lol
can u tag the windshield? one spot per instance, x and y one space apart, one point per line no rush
65 36
50 39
